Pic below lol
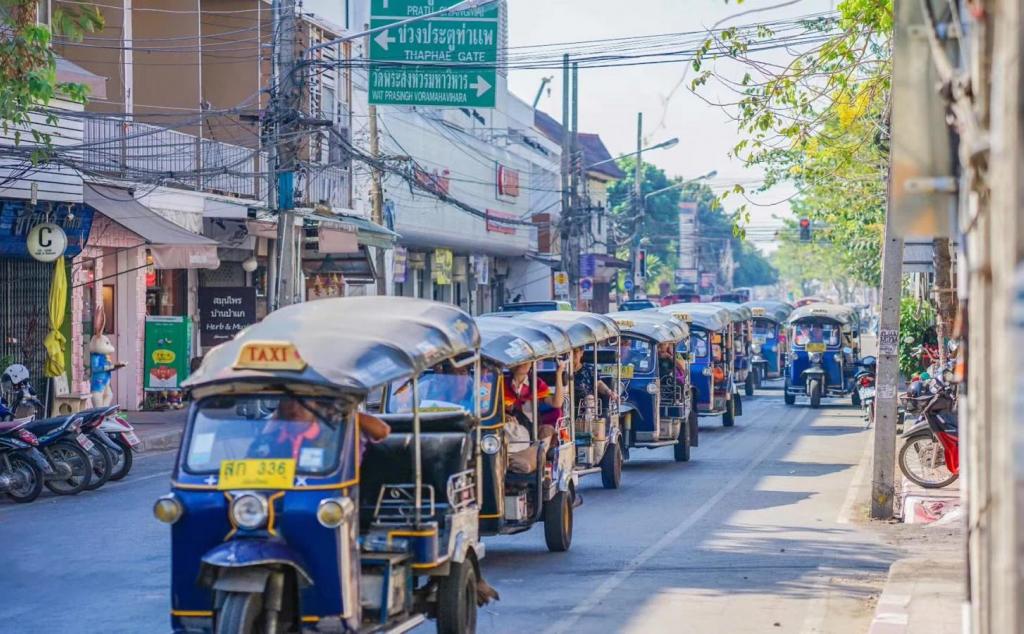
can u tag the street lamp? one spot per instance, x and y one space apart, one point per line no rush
708 176
664 145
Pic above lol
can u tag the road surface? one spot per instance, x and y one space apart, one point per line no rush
759 533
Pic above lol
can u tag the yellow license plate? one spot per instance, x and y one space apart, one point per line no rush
815 347
256 474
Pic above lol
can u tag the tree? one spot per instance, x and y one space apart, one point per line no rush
28 66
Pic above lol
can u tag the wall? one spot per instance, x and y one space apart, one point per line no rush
55 182
100 53
167 71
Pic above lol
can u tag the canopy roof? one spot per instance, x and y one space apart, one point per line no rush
513 341
833 312
349 345
659 327
739 311
581 328
706 316
770 309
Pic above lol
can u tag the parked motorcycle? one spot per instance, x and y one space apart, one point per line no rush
864 381
119 431
22 466
930 453
66 449
19 396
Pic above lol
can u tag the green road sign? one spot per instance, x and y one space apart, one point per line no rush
448 61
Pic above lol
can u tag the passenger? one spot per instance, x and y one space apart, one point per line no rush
584 380
670 365
519 395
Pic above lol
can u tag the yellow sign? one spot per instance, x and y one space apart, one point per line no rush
164 357
815 347
757 312
625 323
256 474
683 317
442 267
269 355
627 371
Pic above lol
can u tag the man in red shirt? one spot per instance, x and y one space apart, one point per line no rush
519 396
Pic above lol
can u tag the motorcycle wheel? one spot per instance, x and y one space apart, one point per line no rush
814 389
102 465
855 397
68 452
123 460
920 458
30 480
239 613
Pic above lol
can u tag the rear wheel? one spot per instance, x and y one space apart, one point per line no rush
67 452
693 424
558 522
681 450
102 465
748 385
27 480
627 439
239 614
758 376
814 389
611 466
790 399
729 417
923 460
739 404
456 600
123 459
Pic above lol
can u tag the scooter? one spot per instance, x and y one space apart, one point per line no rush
66 449
118 430
22 466
864 383
930 456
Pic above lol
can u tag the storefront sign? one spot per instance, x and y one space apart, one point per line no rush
508 182
18 219
168 343
46 242
561 284
494 224
686 276
223 312
401 259
442 268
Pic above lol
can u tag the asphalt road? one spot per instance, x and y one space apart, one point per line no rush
754 535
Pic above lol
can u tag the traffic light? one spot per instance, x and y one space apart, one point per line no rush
641 263
805 230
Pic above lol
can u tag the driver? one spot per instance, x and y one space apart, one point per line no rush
296 425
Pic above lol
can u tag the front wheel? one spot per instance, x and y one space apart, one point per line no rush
611 466
923 460
239 614
102 465
748 385
693 424
814 389
26 480
456 600
681 450
558 522
790 399
123 460
67 454
758 377
729 417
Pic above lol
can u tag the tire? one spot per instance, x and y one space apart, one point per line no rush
909 459
102 465
627 439
729 417
855 397
123 461
739 404
611 467
693 423
456 600
31 480
239 614
681 450
758 377
814 388
748 385
70 452
789 399
558 522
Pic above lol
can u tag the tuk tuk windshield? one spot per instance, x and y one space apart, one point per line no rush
637 353
309 431
443 392
825 333
763 330
699 343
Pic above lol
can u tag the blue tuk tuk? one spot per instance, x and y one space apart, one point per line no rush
823 353
597 432
527 478
742 329
769 339
712 358
659 401
288 514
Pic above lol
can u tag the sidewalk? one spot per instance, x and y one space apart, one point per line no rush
158 430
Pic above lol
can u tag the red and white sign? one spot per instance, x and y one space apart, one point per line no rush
494 226
508 182
437 181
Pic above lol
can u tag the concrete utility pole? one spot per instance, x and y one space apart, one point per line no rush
376 195
638 199
565 224
285 105
578 212
883 470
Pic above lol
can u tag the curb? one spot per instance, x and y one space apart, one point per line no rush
892 614
161 441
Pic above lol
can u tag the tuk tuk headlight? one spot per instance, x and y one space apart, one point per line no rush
652 388
332 512
249 511
168 509
490 444
815 357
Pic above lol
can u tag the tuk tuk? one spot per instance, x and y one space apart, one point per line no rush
594 419
769 339
742 338
712 358
527 477
288 514
659 401
823 353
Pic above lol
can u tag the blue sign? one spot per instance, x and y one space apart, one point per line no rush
628 285
17 217
588 265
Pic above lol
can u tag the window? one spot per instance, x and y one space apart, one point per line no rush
699 341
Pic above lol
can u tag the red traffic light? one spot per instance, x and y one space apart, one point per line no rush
805 223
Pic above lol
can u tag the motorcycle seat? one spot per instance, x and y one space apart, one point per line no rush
8 426
44 426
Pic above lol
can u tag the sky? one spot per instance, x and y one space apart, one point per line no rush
611 97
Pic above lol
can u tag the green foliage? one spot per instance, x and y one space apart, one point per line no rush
28 66
915 318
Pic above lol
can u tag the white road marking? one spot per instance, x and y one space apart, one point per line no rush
620 577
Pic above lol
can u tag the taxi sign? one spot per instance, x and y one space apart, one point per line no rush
815 347
625 323
269 355
757 312
256 474
683 317
819 311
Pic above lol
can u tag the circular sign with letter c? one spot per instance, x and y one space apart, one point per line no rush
46 242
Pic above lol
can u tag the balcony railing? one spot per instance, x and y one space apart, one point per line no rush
152 154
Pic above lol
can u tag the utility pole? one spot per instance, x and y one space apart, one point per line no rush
577 210
565 224
285 106
883 471
376 194
638 199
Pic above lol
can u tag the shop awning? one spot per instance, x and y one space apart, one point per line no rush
172 247
368 233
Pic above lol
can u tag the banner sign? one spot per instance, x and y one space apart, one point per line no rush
168 344
18 218
401 257
223 312
442 268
